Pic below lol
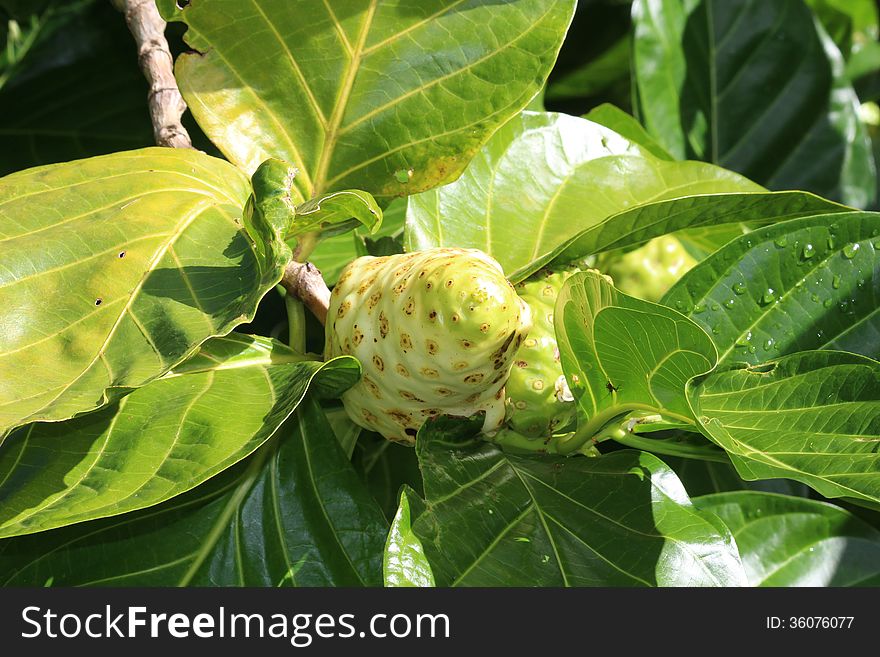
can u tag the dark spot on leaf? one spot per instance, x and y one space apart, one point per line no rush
98 301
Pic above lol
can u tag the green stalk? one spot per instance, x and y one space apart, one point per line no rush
592 429
296 324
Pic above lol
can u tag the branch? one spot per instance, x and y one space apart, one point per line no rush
154 56
303 281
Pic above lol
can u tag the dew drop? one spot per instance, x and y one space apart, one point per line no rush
781 242
752 349
830 242
716 330
820 334
716 306
699 308
808 252
850 250
739 288
814 298
828 303
768 344
769 296
835 282
729 303
743 340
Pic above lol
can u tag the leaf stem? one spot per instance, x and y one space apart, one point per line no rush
670 449
593 428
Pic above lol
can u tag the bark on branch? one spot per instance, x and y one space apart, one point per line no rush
157 64
304 281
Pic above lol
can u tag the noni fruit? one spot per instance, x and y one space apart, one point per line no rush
435 331
538 399
650 270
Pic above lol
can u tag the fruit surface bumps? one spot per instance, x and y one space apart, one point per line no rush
538 399
435 332
650 270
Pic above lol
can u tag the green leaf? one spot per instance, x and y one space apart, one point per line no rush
387 467
813 417
709 477
755 87
337 208
809 283
115 269
294 514
404 562
627 127
622 354
702 221
542 179
791 541
496 519
351 93
162 439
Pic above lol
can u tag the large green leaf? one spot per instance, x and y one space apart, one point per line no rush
628 127
754 86
294 514
813 417
404 562
706 222
809 283
355 93
622 354
114 269
791 541
542 179
495 519
162 439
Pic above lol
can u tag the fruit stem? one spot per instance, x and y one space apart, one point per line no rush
303 281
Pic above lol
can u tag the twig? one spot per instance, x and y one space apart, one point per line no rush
154 56
303 281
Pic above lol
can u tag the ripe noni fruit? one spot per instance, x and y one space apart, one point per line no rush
435 331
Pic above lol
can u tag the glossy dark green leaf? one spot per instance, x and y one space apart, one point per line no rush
387 467
293 514
544 178
162 439
791 541
404 562
813 417
496 519
708 477
115 269
754 86
621 354
809 283
354 93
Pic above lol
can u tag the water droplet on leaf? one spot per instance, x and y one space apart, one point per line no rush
769 296
850 250
739 288
809 251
